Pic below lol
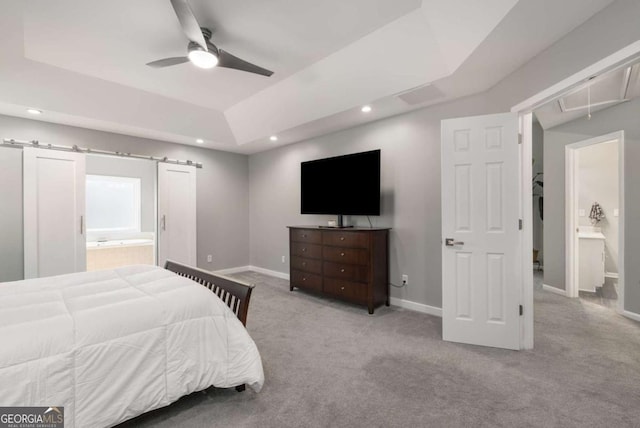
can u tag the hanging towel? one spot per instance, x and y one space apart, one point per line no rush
596 213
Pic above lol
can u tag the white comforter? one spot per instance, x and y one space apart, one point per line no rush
111 345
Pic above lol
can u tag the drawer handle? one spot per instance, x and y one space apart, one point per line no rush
342 270
304 235
304 250
304 278
304 263
342 238
341 288
341 254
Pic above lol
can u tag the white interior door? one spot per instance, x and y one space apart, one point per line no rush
481 254
176 213
54 202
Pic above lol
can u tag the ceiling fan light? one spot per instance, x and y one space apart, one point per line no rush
203 59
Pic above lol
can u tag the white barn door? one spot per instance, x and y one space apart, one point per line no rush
481 242
54 203
176 214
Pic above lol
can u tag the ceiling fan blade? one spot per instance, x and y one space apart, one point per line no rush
168 62
225 59
188 22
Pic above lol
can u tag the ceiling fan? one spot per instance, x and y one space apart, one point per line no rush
200 50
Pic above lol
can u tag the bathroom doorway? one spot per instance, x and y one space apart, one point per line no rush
595 220
120 212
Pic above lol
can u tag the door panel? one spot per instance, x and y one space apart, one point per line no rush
177 214
54 203
480 227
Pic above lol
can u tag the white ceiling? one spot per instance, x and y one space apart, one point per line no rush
82 62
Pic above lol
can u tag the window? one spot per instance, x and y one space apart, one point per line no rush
113 206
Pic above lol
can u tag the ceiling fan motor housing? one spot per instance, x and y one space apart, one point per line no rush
193 46
206 33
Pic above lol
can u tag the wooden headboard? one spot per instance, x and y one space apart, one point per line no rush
233 293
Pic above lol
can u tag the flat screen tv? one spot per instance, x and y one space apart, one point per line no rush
342 185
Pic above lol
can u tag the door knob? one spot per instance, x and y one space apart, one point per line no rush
449 242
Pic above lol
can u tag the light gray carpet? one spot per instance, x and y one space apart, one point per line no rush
331 364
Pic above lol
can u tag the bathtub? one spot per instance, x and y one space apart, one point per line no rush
120 252
119 243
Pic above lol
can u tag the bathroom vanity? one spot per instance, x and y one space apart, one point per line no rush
591 263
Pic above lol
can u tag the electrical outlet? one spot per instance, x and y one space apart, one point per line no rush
405 279
209 258
283 259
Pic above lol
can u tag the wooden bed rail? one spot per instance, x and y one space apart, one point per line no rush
235 294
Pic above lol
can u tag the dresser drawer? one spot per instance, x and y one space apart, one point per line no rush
345 271
306 250
307 265
306 235
354 291
346 239
345 255
306 280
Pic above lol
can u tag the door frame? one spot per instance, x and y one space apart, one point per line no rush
571 206
623 57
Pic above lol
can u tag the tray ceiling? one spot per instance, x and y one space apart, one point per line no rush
82 62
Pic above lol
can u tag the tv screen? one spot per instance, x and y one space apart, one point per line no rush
343 185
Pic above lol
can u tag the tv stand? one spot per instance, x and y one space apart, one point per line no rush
350 264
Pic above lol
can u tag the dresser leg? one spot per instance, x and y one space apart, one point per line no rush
387 302
370 310
290 287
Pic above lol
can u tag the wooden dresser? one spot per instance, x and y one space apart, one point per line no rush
348 264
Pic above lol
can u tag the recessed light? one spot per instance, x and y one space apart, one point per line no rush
366 109
199 141
34 111
274 138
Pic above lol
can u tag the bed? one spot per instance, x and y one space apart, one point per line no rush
111 345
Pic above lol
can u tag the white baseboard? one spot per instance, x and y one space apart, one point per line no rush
418 307
264 271
631 315
613 275
269 272
555 290
233 270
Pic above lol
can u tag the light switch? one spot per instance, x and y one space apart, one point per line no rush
582 213
616 212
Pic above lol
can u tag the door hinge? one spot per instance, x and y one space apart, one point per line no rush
519 224
519 138
521 310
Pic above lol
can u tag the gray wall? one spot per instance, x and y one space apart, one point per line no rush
410 181
222 190
410 146
145 170
620 117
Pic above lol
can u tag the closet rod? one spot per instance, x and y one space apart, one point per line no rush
10 142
